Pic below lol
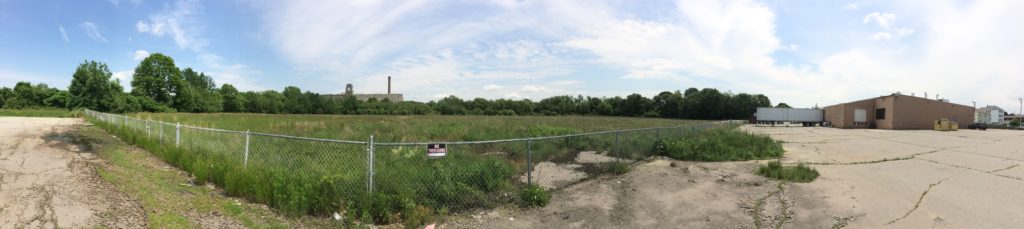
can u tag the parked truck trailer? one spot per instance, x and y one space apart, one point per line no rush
803 116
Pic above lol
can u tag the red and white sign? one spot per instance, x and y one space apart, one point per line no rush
436 150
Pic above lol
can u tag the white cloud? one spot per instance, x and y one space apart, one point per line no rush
523 46
125 78
178 22
492 87
883 20
140 54
851 6
93 32
239 75
63 34
881 36
117 3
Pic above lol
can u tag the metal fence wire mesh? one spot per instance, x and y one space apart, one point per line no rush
385 181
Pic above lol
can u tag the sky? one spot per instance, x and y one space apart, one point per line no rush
803 53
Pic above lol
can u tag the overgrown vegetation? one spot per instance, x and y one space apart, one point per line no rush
618 168
534 196
798 173
309 177
721 144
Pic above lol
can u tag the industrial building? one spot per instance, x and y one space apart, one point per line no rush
349 91
897 112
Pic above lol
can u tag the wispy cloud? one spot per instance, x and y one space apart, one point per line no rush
63 34
140 54
178 22
92 31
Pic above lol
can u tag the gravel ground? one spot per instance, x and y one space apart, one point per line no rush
47 180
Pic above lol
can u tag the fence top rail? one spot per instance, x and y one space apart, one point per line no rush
424 143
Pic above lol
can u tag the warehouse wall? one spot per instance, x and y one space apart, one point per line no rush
841 115
919 113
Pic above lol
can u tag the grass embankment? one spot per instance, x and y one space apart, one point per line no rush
798 173
166 195
308 177
41 112
721 144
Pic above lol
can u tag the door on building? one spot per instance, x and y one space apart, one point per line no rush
860 117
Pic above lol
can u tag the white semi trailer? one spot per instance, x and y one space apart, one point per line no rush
803 116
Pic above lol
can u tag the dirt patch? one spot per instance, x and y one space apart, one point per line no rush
46 182
664 193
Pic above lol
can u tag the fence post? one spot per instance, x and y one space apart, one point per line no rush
246 160
369 166
177 134
147 129
161 134
529 162
657 135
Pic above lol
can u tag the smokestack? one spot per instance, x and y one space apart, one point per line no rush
389 85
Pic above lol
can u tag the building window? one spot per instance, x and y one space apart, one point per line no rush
880 113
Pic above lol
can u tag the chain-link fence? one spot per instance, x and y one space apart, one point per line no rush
386 182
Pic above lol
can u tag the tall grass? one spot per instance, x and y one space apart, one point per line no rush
721 144
412 128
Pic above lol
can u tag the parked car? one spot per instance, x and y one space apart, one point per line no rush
978 126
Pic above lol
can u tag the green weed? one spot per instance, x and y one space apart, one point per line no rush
534 196
798 173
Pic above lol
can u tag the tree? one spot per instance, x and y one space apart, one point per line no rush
156 77
783 105
92 88
233 101
296 103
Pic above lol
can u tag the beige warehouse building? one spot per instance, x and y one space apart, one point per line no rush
897 112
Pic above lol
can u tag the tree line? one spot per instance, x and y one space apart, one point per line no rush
158 85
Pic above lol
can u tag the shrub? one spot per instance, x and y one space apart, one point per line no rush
727 144
534 196
798 173
618 168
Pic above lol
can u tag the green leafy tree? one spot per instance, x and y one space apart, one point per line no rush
156 77
783 105
91 87
233 101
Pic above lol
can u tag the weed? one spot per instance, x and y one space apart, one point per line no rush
534 196
618 168
798 173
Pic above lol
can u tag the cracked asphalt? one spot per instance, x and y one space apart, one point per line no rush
913 178
48 180
869 179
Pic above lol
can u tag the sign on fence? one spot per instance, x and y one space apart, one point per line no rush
436 150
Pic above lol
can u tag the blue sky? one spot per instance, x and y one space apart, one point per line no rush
800 52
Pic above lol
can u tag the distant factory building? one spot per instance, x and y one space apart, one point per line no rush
349 91
897 112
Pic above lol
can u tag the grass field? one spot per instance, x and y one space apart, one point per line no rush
411 128
322 178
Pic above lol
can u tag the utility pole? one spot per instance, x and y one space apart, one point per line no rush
1020 117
